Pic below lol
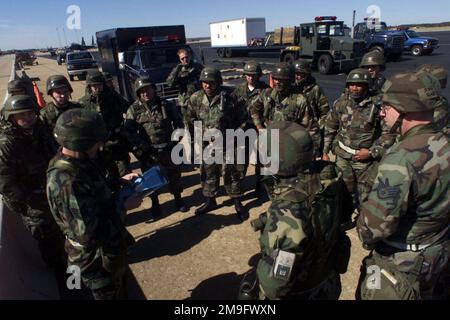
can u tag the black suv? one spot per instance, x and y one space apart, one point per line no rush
79 63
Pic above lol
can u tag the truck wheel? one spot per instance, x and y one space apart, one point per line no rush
228 52
289 58
71 78
221 53
416 50
37 63
325 64
377 48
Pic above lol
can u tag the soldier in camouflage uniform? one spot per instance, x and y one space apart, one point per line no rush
59 89
375 63
307 85
442 110
285 103
405 220
25 150
354 130
217 109
303 224
245 93
83 204
115 156
123 103
185 75
152 120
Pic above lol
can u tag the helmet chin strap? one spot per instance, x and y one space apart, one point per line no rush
398 124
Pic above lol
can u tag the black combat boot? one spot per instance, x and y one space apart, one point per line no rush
180 203
240 210
208 206
156 209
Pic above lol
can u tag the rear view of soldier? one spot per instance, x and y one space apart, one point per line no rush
25 150
303 247
150 122
85 207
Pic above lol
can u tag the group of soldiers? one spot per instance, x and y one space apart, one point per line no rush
62 167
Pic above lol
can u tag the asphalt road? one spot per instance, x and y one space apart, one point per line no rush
334 84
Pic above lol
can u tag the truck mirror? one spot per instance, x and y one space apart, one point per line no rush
121 57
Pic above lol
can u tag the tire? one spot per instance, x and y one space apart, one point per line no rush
221 53
377 48
71 78
228 53
325 64
289 58
417 50
37 63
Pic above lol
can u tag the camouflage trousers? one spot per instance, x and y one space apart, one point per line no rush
351 171
171 171
210 178
102 270
45 231
403 275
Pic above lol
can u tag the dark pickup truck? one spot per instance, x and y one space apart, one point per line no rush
79 64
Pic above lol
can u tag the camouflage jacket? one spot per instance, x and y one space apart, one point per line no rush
50 113
244 96
316 98
304 218
83 204
187 78
108 107
410 198
377 84
441 115
269 106
356 126
23 163
220 112
158 118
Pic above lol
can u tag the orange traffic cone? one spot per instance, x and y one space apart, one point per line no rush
270 81
40 100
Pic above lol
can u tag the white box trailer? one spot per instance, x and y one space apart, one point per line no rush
236 32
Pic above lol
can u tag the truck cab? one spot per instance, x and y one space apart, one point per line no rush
325 43
379 38
129 53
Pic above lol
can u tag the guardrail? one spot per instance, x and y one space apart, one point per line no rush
11 77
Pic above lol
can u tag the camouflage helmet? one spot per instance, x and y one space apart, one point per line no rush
411 92
295 147
94 77
79 129
373 58
18 104
358 75
283 71
56 82
143 82
302 66
211 74
15 85
252 68
436 70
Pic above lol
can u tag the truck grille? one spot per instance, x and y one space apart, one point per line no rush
434 42
397 42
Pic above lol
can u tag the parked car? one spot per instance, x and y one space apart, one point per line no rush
79 64
26 58
419 45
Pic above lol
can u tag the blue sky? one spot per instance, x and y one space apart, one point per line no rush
25 24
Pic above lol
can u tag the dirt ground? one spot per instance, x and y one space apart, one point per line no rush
182 256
